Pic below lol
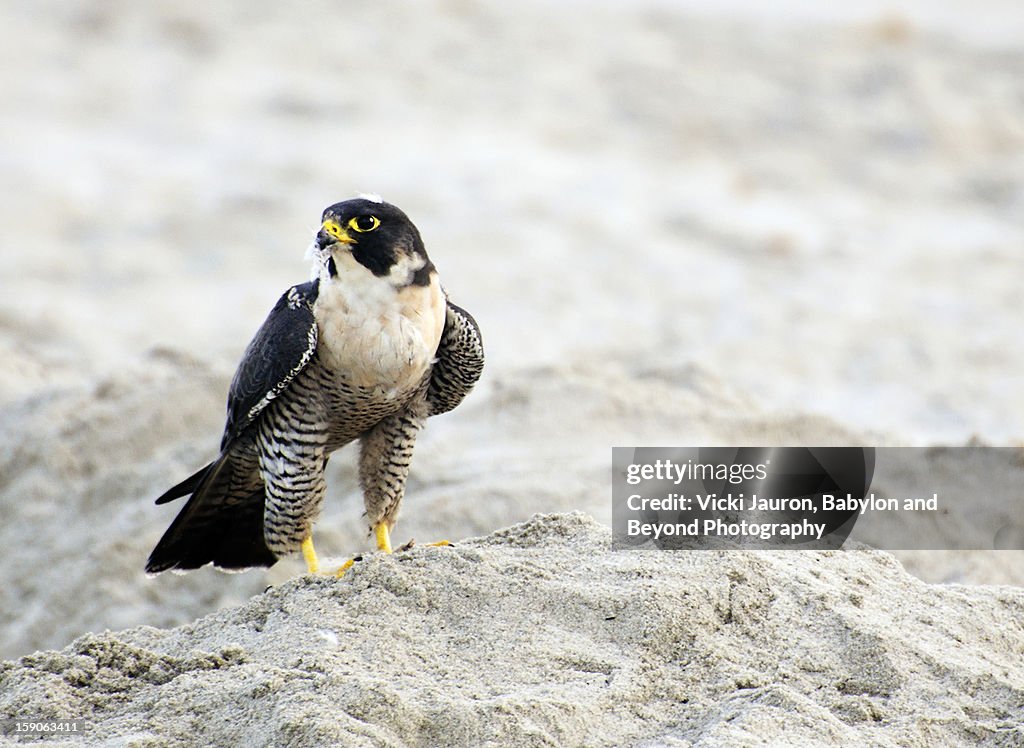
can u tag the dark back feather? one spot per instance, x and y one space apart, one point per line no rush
280 350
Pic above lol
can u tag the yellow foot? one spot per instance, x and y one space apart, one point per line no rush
383 535
346 566
309 553
412 544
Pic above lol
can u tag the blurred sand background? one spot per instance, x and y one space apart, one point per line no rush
676 223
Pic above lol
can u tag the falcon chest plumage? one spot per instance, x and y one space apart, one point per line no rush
379 333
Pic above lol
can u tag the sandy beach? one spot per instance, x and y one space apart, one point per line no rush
676 224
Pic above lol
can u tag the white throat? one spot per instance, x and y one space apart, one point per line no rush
377 331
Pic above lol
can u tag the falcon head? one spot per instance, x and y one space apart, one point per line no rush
368 235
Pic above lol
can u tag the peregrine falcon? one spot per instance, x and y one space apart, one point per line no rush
368 350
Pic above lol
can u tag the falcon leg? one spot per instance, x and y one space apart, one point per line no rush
384 459
309 553
383 533
292 460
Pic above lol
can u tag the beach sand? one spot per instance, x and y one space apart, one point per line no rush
676 224
540 635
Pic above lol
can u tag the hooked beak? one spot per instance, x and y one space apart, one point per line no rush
332 232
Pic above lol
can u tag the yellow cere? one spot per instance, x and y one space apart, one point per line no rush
334 228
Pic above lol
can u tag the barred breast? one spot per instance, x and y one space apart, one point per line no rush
367 367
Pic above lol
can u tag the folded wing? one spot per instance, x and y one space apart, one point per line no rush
460 361
222 522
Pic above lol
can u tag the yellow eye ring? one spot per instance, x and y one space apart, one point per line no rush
363 224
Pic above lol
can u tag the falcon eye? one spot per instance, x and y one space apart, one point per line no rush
362 224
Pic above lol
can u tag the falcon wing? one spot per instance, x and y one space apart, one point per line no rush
281 349
223 520
460 361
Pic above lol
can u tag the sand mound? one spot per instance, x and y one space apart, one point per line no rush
540 634
79 469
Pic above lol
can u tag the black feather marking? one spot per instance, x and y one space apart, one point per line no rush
378 256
